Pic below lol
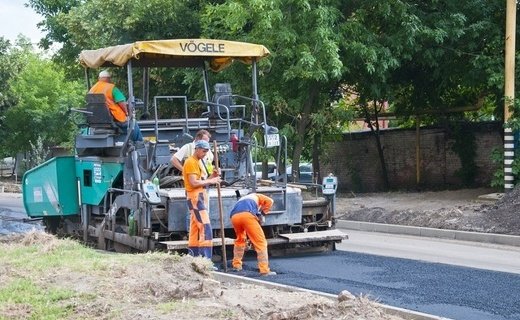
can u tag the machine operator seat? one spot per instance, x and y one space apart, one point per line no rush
222 96
99 118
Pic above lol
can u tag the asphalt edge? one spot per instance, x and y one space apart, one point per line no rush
404 313
430 232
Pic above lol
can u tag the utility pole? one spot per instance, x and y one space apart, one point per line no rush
509 94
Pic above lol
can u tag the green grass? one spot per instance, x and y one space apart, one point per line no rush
67 254
169 307
29 298
22 297
32 286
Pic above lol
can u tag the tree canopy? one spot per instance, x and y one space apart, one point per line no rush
416 56
40 100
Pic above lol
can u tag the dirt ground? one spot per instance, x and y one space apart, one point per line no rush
157 286
466 209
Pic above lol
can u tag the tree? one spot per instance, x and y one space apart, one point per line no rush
305 67
41 112
417 55
79 25
423 57
12 59
459 60
313 68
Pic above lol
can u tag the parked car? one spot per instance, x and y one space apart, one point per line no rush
272 171
306 173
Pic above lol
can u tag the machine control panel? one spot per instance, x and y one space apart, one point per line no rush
330 184
151 193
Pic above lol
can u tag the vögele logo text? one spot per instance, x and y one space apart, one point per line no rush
203 47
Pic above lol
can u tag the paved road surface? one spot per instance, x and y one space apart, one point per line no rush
462 253
12 201
12 215
450 281
440 289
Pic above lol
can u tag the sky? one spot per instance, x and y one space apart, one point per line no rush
15 18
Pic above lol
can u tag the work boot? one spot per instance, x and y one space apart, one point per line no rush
270 273
237 269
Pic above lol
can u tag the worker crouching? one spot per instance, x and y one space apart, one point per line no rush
246 217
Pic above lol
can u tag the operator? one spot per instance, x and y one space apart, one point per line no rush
188 150
200 241
246 217
115 101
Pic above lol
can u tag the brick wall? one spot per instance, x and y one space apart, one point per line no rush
355 160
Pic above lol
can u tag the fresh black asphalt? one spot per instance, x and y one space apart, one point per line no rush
439 289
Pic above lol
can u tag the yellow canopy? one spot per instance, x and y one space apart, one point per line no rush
179 52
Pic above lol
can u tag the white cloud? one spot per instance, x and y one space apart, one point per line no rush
15 18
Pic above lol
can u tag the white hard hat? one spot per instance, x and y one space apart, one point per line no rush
104 74
202 144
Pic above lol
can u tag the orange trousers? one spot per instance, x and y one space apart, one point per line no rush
246 226
200 241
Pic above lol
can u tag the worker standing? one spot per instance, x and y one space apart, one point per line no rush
246 216
200 240
205 163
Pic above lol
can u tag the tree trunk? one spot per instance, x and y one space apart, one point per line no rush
265 170
316 153
374 128
301 130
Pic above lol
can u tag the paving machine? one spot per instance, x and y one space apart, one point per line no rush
126 196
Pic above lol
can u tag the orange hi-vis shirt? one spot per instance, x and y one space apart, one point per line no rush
106 89
191 166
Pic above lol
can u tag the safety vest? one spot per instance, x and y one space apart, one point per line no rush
106 89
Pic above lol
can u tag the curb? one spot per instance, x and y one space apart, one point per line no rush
404 313
430 232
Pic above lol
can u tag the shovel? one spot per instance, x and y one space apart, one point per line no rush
219 196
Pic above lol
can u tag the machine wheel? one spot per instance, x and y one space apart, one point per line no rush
51 224
172 182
